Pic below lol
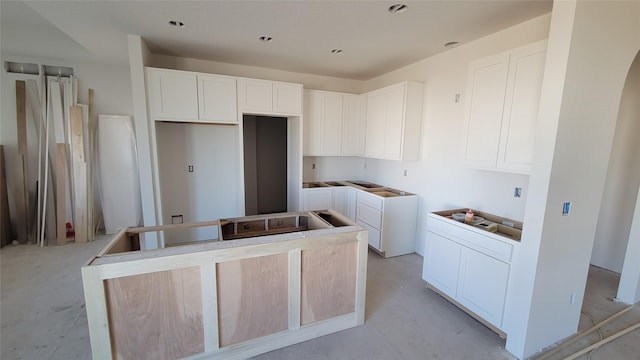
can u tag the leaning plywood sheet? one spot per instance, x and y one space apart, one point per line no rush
5 219
23 215
79 175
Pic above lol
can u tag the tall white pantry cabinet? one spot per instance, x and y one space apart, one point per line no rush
503 96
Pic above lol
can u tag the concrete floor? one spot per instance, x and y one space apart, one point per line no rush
43 316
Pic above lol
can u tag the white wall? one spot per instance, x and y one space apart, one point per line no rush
112 95
210 191
623 180
584 76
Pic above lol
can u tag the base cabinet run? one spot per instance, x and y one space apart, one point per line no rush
471 267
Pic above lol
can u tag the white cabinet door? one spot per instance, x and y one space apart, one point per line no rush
317 199
323 123
485 91
524 85
255 96
441 264
502 108
332 124
268 97
352 203
482 285
217 98
287 98
375 238
173 94
313 126
394 122
341 200
353 125
376 117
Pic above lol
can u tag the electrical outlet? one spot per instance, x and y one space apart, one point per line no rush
517 192
457 98
190 168
313 166
365 166
405 173
566 208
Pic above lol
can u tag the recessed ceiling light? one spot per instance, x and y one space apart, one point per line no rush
336 51
451 44
397 8
265 38
177 24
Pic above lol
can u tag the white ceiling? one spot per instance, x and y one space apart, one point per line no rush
304 32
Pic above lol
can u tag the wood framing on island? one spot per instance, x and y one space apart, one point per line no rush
268 282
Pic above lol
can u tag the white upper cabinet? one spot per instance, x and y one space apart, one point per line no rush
394 122
353 124
192 97
502 108
333 124
217 98
323 116
269 97
173 94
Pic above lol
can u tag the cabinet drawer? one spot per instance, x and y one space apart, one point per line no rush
371 200
473 238
369 215
374 235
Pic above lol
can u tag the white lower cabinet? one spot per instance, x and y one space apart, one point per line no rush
317 199
391 222
482 285
470 266
441 263
340 200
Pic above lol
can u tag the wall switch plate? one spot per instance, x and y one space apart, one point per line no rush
313 166
517 192
566 208
457 98
405 173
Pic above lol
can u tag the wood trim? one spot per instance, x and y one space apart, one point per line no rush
210 307
146 229
61 193
96 304
294 288
5 219
23 216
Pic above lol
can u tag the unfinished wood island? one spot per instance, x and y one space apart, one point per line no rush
269 281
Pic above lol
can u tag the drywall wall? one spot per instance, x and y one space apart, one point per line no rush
629 287
112 89
207 191
440 178
585 72
623 180
315 82
326 168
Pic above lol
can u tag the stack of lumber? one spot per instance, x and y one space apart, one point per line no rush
64 195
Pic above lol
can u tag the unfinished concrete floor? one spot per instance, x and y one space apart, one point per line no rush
43 315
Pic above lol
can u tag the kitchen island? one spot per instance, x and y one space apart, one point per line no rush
269 281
